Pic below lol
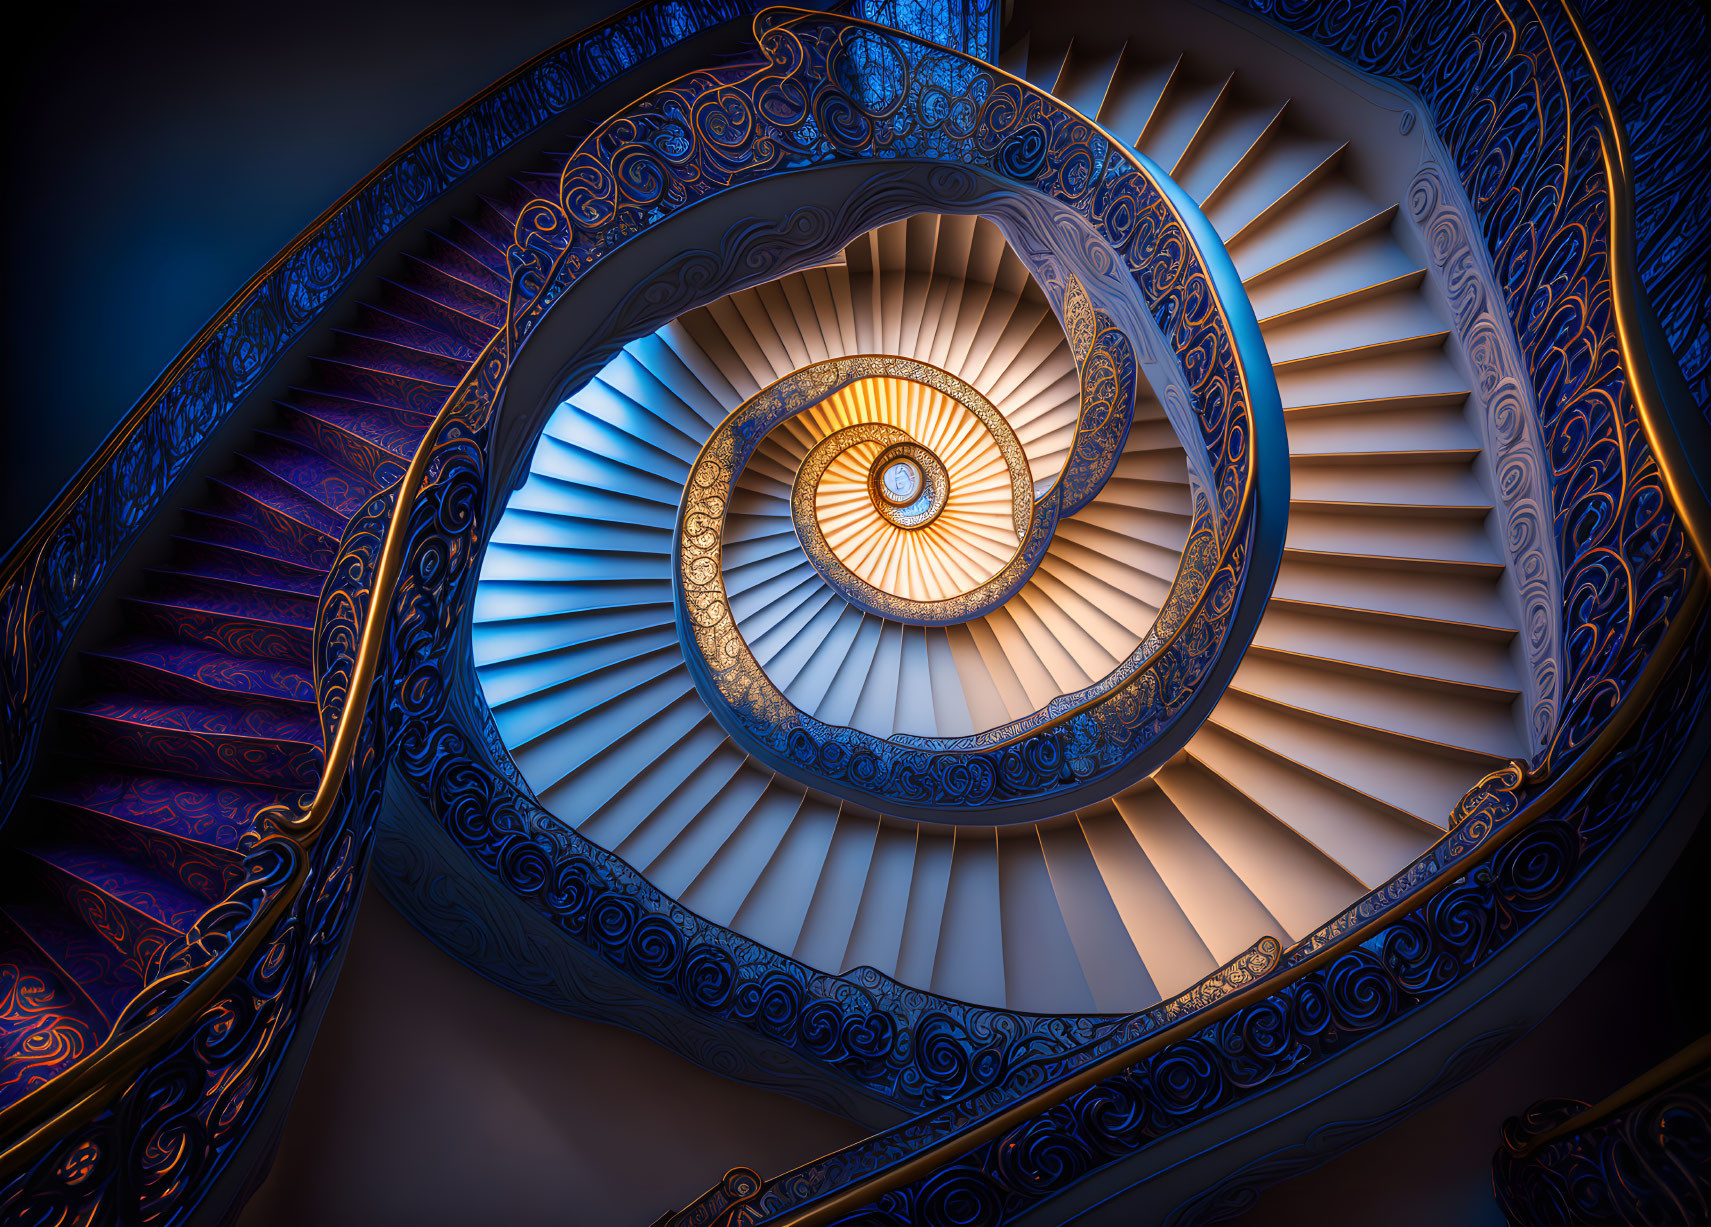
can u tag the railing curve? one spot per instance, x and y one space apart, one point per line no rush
1521 838
208 1032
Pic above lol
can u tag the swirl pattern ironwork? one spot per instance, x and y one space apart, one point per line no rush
1644 1163
1505 86
831 91
903 1046
50 578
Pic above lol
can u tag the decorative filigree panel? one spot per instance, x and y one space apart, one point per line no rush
48 582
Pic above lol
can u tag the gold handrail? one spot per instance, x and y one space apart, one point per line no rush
1658 1078
77 1094
829 1207
31 1122
835 1204
85 1089
1625 292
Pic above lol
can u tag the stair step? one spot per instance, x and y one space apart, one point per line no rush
249 744
344 377
277 508
197 674
217 813
82 959
46 1026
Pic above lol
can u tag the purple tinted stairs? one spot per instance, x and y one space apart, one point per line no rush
201 712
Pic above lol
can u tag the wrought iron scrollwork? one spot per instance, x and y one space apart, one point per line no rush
1642 1162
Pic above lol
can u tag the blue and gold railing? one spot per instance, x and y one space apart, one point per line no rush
1640 1158
938 108
1542 155
160 1108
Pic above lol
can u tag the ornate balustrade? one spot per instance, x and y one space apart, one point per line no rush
1027 1106
1542 156
148 1123
899 1045
1642 1158
50 577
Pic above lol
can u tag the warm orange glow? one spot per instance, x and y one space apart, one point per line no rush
971 539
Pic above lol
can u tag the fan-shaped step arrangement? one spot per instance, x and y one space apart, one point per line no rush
1380 683
1092 599
1379 687
576 645
201 712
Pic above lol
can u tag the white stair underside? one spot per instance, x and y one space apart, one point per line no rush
1379 687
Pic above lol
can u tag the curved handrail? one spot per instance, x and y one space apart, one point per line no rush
1688 497
1246 441
30 1122
1622 721
1677 1067
890 1175
830 1206
49 576
1637 1156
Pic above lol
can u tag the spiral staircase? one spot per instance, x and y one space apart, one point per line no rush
1381 684
314 603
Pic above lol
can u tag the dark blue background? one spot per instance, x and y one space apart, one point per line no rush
159 155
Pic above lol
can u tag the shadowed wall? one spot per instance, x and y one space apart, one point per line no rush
434 1097
159 155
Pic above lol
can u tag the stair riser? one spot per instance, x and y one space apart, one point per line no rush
45 1026
445 287
207 872
234 600
376 322
377 465
245 567
464 266
252 683
209 755
415 305
139 943
321 478
238 636
403 358
200 811
280 534
381 386
86 962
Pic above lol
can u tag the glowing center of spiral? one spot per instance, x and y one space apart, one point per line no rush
922 513
901 482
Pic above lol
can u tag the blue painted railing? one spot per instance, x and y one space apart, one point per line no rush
889 1042
1510 84
1522 110
145 1126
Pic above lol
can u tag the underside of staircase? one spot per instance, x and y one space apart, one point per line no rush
602 825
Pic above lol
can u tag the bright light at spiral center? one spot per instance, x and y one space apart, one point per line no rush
969 541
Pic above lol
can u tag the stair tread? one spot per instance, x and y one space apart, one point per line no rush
215 812
264 723
46 1026
239 676
80 956
147 893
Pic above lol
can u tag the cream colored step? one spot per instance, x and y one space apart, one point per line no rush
1363 269
1134 92
1367 328
1178 126
1368 840
1297 884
